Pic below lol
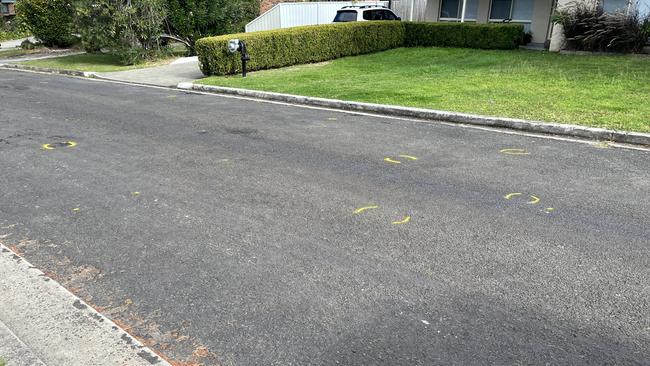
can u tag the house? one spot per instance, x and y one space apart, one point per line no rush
534 15
7 8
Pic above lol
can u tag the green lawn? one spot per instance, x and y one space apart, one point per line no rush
91 62
602 91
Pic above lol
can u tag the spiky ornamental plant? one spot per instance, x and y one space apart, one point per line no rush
588 27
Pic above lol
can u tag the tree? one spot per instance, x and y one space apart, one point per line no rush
131 29
51 21
190 20
94 21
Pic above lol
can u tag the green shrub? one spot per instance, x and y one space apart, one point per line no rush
95 23
11 29
51 21
130 29
299 45
467 35
138 26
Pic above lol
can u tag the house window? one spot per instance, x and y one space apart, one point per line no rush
453 9
614 6
644 7
4 8
517 10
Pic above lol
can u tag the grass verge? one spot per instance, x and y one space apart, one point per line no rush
98 62
15 52
600 91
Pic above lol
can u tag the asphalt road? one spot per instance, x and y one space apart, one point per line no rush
223 231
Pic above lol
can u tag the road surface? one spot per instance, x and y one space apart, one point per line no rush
237 232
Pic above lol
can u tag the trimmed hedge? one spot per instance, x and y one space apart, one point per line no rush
466 35
298 45
315 43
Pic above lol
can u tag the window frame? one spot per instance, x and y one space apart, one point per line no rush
460 13
512 7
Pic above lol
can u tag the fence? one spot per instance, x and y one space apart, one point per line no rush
285 15
410 10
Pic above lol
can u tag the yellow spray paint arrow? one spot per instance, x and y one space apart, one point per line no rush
403 221
389 160
361 209
510 195
534 200
410 157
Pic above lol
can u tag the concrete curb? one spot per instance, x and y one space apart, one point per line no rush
56 326
636 138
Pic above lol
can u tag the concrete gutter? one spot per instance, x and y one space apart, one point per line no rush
591 133
576 131
47 70
48 325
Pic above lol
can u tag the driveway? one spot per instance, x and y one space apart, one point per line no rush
13 43
182 70
236 232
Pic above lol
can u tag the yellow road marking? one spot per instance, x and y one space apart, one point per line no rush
76 209
514 152
510 195
389 160
550 209
50 147
331 119
361 209
403 221
135 193
534 201
408 157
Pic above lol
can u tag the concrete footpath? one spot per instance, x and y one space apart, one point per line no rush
14 352
14 43
41 323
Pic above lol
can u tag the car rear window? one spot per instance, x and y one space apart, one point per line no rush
346 16
378 15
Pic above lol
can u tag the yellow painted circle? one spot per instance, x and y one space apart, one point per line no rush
55 145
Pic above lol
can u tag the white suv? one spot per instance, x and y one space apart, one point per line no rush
361 13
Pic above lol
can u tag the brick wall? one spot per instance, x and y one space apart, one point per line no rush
268 4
